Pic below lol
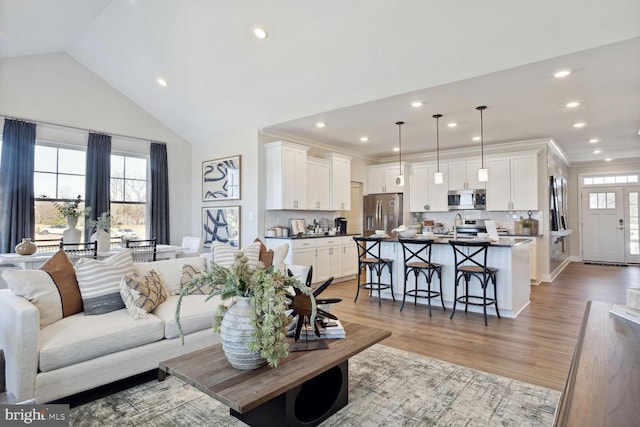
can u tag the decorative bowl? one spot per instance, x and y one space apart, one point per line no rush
408 233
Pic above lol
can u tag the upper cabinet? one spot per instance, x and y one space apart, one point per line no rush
286 181
463 175
318 184
340 182
513 182
382 178
424 194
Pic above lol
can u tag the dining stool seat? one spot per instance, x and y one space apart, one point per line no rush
417 261
369 258
470 258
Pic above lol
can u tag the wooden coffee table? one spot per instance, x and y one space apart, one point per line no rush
305 389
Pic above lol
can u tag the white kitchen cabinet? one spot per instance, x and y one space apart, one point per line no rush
533 259
424 194
513 182
328 258
303 252
286 181
382 178
349 256
340 185
463 174
318 184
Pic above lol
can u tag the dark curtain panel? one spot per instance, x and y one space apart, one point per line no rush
159 193
98 180
16 183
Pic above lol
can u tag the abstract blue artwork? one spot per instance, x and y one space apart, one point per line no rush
221 224
221 179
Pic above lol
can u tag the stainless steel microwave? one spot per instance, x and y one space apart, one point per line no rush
467 199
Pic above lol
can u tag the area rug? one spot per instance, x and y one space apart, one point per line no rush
387 387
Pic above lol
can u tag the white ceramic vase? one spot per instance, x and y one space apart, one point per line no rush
104 240
71 234
235 334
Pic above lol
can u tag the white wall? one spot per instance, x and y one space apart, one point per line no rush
56 88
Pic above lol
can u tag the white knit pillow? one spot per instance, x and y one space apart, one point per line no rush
225 255
99 282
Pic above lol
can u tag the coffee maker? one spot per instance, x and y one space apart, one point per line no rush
341 224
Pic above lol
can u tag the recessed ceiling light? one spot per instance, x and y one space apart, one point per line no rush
476 138
416 104
452 124
260 33
608 159
572 104
597 151
320 124
578 125
396 149
364 139
562 73
594 140
162 82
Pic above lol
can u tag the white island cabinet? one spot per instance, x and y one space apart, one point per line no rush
509 255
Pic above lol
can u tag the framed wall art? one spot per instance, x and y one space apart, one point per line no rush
221 179
221 224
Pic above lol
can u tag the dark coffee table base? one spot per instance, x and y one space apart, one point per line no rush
305 405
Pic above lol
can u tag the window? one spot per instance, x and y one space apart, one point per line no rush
602 200
59 177
128 196
610 179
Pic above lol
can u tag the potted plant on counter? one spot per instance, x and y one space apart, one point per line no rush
526 227
251 316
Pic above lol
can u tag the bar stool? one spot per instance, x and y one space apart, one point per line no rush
417 260
369 257
471 261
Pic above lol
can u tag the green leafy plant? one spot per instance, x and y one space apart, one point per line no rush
526 223
270 298
103 222
71 209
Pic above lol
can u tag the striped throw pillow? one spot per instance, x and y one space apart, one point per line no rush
99 282
142 294
225 255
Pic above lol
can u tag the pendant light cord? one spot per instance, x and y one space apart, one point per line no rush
400 146
437 117
481 108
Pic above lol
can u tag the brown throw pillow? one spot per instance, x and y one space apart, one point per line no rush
266 256
61 270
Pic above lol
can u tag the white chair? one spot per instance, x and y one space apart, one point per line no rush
191 246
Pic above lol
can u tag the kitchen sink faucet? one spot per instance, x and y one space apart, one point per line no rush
456 217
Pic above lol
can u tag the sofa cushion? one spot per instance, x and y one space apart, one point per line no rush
189 272
195 314
63 274
99 281
279 254
77 338
40 289
170 270
142 294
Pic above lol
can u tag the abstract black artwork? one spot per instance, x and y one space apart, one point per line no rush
221 179
221 224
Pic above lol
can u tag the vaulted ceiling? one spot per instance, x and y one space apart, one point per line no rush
357 66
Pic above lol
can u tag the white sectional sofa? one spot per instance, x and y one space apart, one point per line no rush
81 352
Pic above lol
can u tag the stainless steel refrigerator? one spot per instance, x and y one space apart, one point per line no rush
381 212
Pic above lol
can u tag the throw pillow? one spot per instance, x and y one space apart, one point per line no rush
142 294
225 255
189 272
266 256
63 274
99 282
279 254
40 289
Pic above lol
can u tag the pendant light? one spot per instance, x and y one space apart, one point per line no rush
483 174
437 177
400 178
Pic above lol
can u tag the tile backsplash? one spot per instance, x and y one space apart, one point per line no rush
502 219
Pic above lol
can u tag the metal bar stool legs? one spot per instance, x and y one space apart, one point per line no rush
417 260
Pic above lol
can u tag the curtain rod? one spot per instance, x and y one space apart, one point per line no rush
41 122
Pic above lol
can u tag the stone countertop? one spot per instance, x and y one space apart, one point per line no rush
311 236
507 242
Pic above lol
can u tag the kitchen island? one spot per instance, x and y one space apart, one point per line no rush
509 255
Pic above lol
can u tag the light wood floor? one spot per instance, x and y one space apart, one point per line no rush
536 347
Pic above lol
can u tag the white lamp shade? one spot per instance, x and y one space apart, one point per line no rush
483 175
437 178
400 180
